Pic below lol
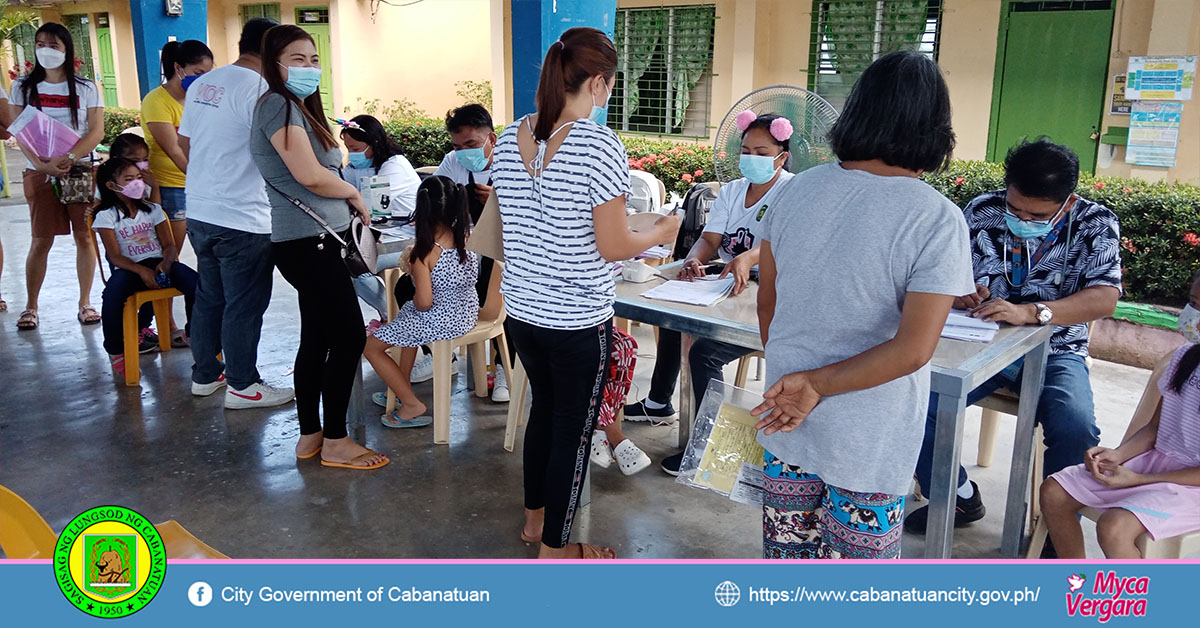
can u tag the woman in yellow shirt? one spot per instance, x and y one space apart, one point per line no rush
162 109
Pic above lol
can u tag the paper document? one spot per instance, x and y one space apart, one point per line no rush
399 232
960 326
732 442
705 291
748 489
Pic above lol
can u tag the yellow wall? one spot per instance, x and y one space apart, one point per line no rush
967 56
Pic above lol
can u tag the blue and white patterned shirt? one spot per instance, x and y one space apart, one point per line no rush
1091 258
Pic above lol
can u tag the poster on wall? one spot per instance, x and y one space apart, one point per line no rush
1153 133
1161 78
1120 104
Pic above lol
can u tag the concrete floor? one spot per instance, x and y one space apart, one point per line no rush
72 438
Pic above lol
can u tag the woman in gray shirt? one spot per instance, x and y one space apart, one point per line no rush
298 157
865 259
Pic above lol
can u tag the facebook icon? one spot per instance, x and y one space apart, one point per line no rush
200 594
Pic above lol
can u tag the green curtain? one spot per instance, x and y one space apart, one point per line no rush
850 30
646 30
692 55
903 24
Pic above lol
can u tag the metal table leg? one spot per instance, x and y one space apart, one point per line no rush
1022 461
687 402
356 424
947 445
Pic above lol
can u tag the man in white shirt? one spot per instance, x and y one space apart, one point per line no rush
470 163
229 224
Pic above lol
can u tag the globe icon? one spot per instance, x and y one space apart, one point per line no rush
727 593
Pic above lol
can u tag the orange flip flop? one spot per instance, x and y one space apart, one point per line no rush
356 467
309 454
587 551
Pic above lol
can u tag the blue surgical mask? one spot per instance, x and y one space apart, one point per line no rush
187 81
600 114
758 168
472 159
360 160
302 80
1032 229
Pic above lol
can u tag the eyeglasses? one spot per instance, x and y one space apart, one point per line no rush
1008 212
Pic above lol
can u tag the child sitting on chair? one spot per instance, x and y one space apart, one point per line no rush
445 306
1150 484
139 248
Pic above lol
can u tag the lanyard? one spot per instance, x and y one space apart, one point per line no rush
1021 270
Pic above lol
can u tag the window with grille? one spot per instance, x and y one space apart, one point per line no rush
250 11
23 47
849 34
664 70
77 25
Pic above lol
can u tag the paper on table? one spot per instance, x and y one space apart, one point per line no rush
732 442
705 291
960 326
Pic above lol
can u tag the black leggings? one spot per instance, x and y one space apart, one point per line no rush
567 372
331 332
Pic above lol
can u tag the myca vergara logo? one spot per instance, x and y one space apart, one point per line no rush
1110 596
110 562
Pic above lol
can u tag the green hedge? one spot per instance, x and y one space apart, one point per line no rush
1159 224
116 120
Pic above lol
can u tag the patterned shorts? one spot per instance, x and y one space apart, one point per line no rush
803 517
620 376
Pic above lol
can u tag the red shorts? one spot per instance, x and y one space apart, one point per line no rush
48 215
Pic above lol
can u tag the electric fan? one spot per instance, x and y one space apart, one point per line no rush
811 116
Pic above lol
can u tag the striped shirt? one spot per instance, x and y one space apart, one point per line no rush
554 276
1179 423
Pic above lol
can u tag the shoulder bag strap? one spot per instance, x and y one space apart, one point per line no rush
311 213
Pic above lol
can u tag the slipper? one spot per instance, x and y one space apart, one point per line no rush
357 467
529 539
394 420
309 454
3 305
588 551
88 315
380 399
28 320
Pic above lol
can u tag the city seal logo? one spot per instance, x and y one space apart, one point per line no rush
110 562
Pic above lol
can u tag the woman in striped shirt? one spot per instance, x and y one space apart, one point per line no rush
561 178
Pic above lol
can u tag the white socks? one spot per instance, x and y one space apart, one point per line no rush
966 491
654 405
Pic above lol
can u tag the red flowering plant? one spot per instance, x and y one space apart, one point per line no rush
677 165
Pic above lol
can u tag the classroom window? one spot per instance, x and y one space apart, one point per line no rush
664 70
248 12
849 34
77 25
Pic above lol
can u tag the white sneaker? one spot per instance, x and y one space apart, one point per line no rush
423 368
260 395
499 386
204 390
630 458
601 451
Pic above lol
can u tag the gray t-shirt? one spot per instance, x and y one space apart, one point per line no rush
848 246
287 221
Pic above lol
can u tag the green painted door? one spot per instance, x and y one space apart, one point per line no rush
1051 75
315 21
108 67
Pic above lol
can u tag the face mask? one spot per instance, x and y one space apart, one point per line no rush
134 189
143 165
50 58
302 81
1188 319
600 114
1031 229
758 168
472 159
187 81
360 160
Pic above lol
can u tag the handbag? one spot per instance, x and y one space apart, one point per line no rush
487 236
78 185
360 252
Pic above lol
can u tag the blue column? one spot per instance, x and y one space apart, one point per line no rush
152 28
538 23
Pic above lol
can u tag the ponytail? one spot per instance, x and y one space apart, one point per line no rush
460 220
577 56
183 53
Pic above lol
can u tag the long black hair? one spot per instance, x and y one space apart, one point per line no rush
126 142
372 133
110 198
578 55
274 41
440 202
1190 360
29 85
184 53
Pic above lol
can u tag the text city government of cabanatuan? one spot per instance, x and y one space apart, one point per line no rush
391 594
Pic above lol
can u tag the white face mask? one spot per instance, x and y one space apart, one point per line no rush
50 58
1188 319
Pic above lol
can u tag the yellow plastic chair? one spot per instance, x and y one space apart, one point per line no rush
489 326
25 534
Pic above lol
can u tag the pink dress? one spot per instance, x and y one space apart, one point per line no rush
1164 508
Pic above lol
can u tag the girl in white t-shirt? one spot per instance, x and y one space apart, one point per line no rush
54 89
4 134
140 251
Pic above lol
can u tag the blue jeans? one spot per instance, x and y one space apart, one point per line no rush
234 290
123 284
371 289
174 203
1065 411
707 359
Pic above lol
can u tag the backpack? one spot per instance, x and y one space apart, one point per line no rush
697 203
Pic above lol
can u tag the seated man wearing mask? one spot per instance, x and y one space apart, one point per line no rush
1042 255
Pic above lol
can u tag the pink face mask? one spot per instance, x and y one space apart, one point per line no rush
143 165
134 189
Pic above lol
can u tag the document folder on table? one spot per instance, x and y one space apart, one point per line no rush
703 292
960 326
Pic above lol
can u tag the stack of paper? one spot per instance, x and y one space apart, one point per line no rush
705 291
960 326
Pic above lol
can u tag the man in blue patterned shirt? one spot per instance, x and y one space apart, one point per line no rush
1042 255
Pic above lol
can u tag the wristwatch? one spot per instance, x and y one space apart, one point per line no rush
72 157
1044 314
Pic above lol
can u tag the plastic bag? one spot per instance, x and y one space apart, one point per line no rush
45 136
723 454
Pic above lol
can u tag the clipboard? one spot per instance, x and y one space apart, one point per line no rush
487 237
